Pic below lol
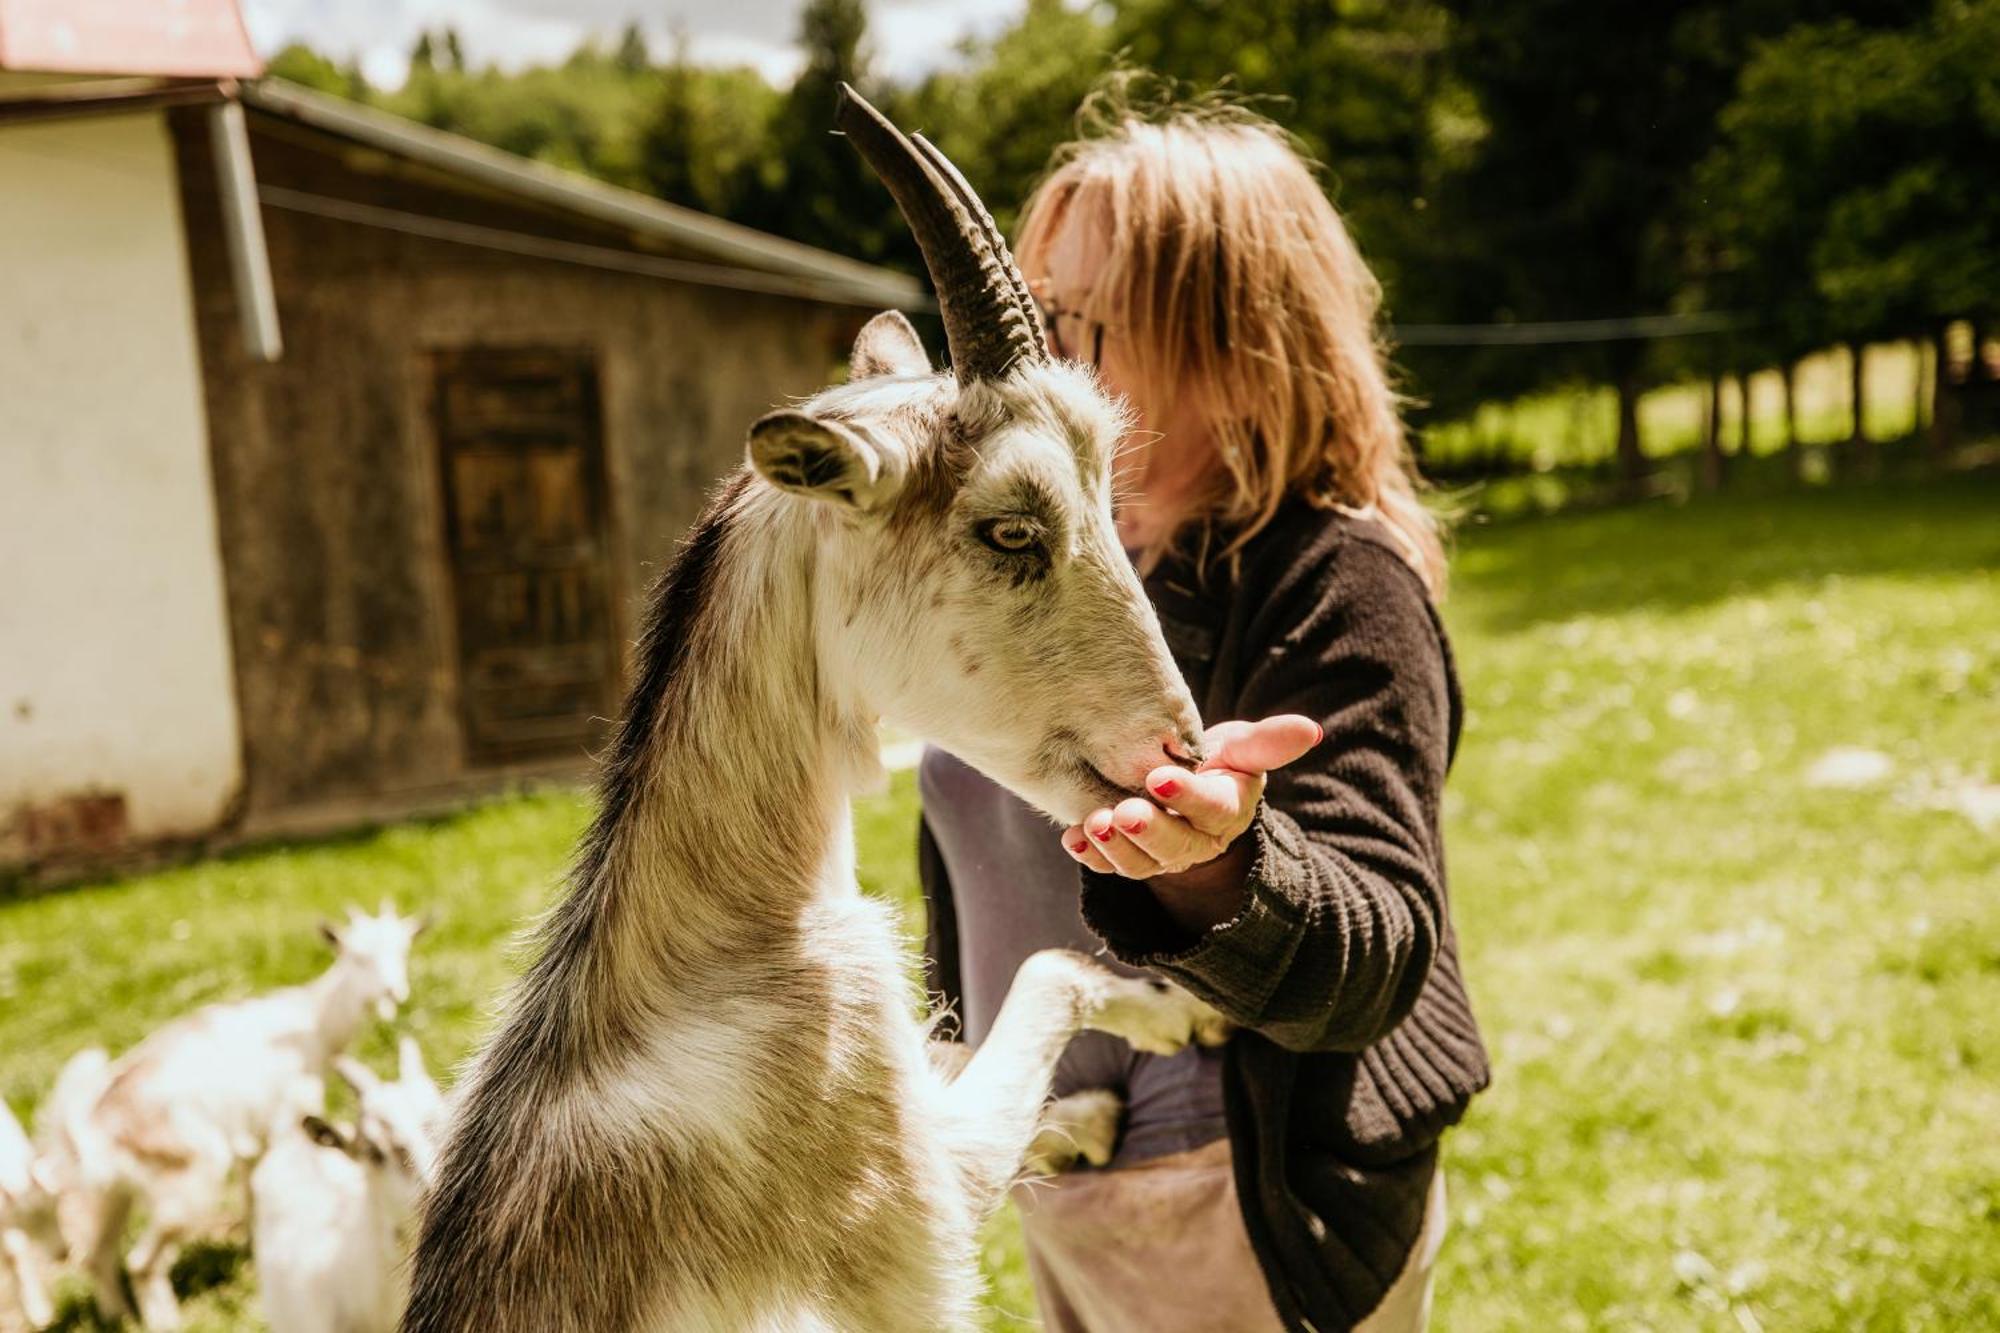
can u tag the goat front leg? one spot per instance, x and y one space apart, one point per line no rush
29 1284
993 1109
1082 1127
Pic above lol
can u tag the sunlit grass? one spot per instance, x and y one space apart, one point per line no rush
1745 1029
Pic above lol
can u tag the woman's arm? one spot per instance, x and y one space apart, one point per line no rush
1328 911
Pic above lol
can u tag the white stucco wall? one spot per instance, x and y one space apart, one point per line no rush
115 674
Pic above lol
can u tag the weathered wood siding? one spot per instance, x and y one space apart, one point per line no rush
327 462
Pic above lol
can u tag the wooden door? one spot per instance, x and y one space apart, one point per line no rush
524 487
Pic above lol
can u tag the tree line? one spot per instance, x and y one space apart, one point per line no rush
1799 173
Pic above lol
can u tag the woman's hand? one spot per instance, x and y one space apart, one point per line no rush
1184 841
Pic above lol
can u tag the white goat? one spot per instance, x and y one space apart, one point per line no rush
58 1120
331 1207
183 1108
27 1220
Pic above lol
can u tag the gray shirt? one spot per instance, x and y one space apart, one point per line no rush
1015 890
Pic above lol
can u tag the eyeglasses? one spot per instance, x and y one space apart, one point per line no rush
1053 316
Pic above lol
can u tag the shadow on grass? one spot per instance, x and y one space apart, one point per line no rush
203 1266
1679 557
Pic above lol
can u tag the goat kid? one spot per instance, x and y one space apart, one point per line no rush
182 1109
710 1104
331 1206
28 1234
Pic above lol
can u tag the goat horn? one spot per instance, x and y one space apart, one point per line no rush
991 229
987 324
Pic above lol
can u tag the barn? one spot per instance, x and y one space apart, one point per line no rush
335 452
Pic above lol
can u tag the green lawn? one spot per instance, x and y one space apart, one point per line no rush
1746 1028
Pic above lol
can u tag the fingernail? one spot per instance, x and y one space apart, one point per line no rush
1319 733
1167 787
1103 834
1079 847
1139 827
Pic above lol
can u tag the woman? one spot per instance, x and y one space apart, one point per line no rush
1291 1178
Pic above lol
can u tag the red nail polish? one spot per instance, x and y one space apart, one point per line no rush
1167 787
1135 828
1319 733
1079 847
1102 835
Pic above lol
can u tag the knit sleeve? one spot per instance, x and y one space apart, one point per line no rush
1343 910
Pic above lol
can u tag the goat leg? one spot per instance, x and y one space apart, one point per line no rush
993 1109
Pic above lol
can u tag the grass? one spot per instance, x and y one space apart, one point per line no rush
1747 1030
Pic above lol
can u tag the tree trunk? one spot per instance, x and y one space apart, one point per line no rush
1743 414
1920 383
1789 376
1631 457
1857 402
1944 405
1711 436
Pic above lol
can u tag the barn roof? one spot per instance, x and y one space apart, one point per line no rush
187 38
801 268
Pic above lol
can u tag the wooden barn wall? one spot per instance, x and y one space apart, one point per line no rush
326 464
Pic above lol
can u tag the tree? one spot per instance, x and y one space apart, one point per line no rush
812 187
632 56
1583 190
668 145
304 66
1848 198
1012 100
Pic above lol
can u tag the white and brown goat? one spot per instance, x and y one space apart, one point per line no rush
28 1234
710 1105
180 1112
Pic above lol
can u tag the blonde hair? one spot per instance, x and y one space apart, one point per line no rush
1230 274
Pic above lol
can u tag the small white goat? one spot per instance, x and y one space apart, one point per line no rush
58 1121
183 1108
27 1219
332 1207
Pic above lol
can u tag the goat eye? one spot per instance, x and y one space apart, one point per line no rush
1011 535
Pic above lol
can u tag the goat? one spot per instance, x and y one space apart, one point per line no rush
58 1121
709 1104
180 1111
28 1235
331 1207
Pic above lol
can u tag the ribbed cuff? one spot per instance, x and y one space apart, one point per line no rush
1234 964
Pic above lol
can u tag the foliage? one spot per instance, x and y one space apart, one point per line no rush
1742 1024
1810 165
1015 99
1860 209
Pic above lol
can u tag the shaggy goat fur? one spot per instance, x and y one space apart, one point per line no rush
710 1104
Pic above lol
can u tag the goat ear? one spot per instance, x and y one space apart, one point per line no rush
824 459
325 1134
409 1059
355 1074
887 345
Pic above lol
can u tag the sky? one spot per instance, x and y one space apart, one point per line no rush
908 37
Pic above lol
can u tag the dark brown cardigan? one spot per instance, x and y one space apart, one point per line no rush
1358 1045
